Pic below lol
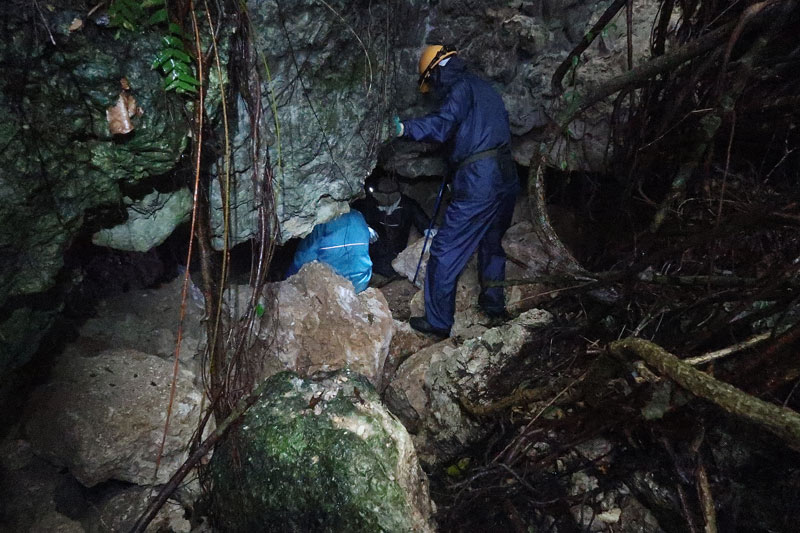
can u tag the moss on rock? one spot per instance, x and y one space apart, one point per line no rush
319 456
58 159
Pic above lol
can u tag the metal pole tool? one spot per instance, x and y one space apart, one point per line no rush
430 227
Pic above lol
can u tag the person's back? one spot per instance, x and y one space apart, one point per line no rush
342 243
472 117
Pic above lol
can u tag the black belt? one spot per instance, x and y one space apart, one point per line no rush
494 152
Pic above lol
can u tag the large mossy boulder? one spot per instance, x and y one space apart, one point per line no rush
314 456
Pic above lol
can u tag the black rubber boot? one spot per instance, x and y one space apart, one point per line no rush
421 324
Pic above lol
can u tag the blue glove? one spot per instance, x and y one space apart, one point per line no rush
398 126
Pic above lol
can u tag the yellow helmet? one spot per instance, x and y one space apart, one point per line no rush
431 56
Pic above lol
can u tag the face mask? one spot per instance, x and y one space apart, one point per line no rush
384 198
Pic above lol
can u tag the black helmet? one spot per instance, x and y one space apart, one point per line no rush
385 190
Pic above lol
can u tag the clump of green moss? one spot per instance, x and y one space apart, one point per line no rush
311 457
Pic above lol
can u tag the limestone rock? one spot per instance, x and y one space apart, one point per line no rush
120 510
28 486
319 456
145 320
405 342
426 389
102 417
59 159
316 322
55 522
150 221
331 109
406 262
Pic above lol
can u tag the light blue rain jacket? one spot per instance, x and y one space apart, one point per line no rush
343 243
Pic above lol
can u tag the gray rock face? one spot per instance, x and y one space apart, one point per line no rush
150 221
319 456
119 512
144 320
38 496
426 389
103 417
317 322
327 88
407 261
332 84
59 158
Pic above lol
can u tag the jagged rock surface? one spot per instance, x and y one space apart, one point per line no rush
426 390
317 323
319 456
145 320
59 159
40 497
332 96
103 417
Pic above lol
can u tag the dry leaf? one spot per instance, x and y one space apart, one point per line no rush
125 84
119 115
76 24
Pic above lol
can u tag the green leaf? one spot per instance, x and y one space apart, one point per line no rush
157 17
173 78
171 55
188 79
178 86
259 310
458 468
174 69
172 42
175 29
121 15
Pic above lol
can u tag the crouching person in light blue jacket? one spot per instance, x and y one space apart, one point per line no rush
342 243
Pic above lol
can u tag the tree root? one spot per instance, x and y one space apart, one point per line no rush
519 397
780 421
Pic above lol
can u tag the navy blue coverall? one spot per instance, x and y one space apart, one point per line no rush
474 119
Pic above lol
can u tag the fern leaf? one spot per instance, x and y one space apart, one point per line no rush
176 66
126 13
166 54
172 41
175 29
179 86
157 17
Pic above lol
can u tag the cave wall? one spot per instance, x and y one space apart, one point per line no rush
59 164
337 71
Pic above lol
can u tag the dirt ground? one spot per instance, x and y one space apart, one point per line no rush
398 294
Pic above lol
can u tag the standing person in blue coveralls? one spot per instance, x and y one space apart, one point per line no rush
342 243
474 120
